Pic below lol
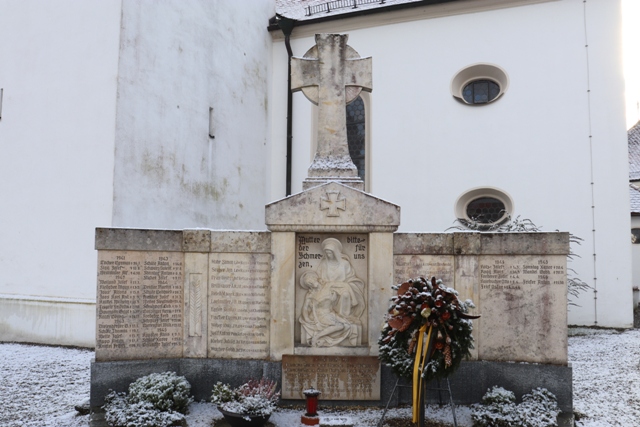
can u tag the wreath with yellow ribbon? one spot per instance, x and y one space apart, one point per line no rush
427 333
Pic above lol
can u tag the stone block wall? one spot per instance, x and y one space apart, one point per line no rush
214 301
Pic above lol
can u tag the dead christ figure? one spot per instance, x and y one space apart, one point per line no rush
334 301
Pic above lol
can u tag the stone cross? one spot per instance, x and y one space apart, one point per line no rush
331 74
332 202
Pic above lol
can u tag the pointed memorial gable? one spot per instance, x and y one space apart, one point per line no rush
333 207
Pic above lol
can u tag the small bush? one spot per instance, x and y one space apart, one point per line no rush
222 393
540 408
120 412
498 396
252 398
166 391
499 409
156 400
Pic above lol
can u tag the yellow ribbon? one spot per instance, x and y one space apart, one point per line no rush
418 367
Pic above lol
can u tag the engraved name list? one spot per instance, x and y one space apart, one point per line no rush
139 305
239 305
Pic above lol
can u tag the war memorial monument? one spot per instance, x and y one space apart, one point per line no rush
303 302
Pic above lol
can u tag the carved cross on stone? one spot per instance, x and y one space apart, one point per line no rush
331 74
332 203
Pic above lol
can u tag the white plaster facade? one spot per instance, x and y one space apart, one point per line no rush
58 76
179 61
106 121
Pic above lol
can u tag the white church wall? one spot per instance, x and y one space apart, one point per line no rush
533 143
79 80
178 60
58 77
612 269
44 320
302 125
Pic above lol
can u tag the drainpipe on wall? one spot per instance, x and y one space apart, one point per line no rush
286 25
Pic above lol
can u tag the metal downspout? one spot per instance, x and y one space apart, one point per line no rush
286 25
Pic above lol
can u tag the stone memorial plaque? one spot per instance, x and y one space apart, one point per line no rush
139 305
523 306
331 290
411 266
239 305
337 377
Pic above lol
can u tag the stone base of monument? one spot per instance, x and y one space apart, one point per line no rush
240 420
468 384
472 380
97 418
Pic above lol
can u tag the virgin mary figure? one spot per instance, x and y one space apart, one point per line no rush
334 301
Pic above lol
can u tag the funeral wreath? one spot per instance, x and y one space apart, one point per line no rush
419 303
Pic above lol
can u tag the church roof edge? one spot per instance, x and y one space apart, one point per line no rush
296 10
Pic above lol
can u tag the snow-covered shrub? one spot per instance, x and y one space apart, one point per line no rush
156 400
166 391
252 398
499 409
222 393
119 412
498 396
540 408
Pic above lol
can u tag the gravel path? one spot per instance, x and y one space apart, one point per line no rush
39 386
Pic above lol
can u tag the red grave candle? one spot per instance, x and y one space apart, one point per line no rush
312 401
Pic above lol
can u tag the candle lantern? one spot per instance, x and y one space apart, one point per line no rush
311 417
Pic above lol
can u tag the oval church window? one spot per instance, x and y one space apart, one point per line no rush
479 84
483 208
486 210
480 91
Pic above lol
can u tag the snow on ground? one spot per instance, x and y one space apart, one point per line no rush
203 415
606 378
39 386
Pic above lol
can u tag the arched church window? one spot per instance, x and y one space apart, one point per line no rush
356 134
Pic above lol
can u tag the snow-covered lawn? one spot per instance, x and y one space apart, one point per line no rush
606 377
39 386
